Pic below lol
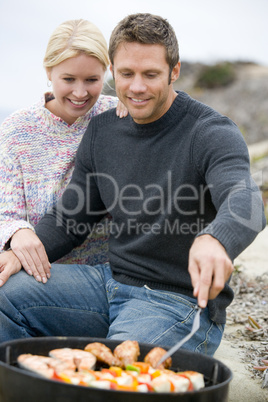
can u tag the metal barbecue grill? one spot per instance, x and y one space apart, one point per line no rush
17 385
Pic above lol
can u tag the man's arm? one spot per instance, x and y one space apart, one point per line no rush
59 231
222 159
79 207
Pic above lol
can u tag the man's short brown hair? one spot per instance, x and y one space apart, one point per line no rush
146 28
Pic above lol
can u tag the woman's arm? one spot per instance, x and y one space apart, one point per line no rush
9 265
121 110
13 211
31 253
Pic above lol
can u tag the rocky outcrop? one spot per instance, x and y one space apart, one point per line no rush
245 100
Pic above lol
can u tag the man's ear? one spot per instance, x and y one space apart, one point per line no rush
176 72
112 69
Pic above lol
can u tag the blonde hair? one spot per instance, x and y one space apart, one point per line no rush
73 38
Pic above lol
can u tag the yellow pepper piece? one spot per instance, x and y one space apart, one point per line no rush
156 373
64 378
116 370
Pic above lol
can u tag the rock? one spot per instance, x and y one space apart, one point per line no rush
245 100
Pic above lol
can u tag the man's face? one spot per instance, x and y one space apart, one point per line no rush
141 76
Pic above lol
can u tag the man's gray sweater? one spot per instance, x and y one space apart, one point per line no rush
163 183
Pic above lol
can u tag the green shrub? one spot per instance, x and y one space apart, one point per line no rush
215 76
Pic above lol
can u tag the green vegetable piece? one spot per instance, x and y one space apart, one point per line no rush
130 367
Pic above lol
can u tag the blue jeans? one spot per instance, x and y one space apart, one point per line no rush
81 300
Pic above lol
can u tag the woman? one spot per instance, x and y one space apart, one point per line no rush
39 143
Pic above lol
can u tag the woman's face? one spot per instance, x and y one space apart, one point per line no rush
77 83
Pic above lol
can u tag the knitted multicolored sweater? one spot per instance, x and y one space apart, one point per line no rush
36 163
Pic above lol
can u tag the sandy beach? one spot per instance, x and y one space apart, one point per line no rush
244 386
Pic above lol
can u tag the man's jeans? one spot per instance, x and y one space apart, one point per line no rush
80 300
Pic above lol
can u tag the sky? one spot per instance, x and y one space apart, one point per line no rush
208 31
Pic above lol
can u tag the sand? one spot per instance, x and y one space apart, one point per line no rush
244 387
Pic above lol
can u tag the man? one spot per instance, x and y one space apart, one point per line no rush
174 176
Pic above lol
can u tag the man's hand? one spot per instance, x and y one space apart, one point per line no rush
209 267
30 251
9 265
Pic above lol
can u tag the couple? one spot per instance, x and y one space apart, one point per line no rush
174 177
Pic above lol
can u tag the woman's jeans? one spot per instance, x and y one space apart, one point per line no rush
80 300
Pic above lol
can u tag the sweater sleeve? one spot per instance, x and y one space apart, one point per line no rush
68 224
13 214
221 156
